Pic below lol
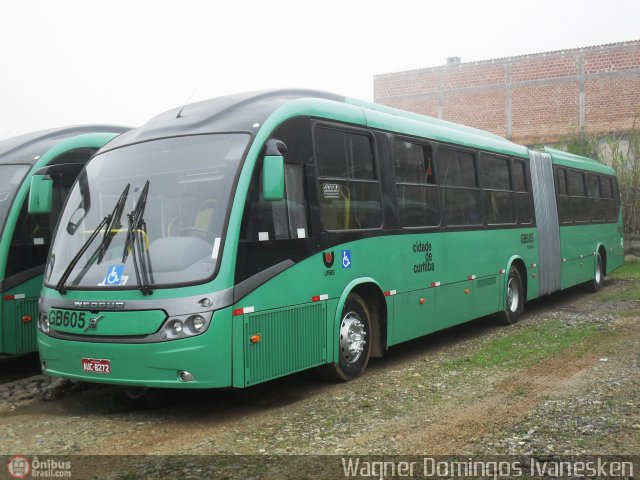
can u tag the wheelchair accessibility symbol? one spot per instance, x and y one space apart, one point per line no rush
114 275
346 258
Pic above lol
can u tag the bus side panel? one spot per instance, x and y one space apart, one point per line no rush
479 257
615 251
284 340
414 315
20 316
579 245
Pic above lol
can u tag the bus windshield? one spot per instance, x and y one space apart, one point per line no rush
10 179
185 184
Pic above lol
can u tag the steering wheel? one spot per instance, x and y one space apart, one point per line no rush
198 233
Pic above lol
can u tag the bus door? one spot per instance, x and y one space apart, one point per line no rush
28 250
274 236
276 231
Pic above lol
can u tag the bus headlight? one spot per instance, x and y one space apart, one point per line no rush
185 326
176 327
197 323
43 323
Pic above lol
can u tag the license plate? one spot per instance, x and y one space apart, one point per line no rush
95 365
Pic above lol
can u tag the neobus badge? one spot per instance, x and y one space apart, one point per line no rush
100 305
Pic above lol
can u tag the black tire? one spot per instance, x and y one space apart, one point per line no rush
514 301
598 278
355 327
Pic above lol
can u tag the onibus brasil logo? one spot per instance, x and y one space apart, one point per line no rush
21 467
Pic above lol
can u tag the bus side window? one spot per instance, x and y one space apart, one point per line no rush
499 207
610 205
30 242
523 193
32 234
596 209
283 219
579 199
349 189
415 184
563 199
461 203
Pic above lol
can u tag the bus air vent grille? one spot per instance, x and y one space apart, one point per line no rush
293 339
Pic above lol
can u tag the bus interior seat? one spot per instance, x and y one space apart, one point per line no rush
336 213
205 214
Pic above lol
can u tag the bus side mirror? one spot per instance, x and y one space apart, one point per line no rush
273 171
40 194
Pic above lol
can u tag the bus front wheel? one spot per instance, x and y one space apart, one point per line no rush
514 301
354 341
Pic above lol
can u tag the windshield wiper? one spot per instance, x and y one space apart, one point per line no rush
137 226
110 222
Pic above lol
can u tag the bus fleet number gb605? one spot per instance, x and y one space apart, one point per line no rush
67 318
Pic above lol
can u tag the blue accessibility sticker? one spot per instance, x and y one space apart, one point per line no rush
346 258
114 275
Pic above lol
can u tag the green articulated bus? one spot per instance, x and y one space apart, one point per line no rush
250 236
26 237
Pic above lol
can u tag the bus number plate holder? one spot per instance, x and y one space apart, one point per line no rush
95 365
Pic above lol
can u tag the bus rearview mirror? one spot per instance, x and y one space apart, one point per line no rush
273 170
40 194
273 178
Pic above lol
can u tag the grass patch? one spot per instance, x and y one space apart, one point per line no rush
632 293
525 347
629 271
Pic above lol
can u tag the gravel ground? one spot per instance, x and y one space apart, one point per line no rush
567 384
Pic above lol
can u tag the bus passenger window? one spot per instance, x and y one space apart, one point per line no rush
499 207
415 185
596 209
348 186
563 199
523 195
610 204
461 197
579 199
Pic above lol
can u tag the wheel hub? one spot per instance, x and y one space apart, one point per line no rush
352 337
513 295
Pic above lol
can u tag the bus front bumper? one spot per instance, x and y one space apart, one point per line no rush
206 357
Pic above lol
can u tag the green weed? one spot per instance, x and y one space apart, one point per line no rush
524 348
629 271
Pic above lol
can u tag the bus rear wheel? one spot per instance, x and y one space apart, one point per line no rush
353 342
514 301
598 278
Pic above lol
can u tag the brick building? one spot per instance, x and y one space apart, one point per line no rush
531 99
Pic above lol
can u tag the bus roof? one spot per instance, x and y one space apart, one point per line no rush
244 112
28 148
571 160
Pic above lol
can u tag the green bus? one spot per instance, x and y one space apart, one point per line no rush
26 237
247 237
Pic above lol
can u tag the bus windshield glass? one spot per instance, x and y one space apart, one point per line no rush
147 214
10 179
